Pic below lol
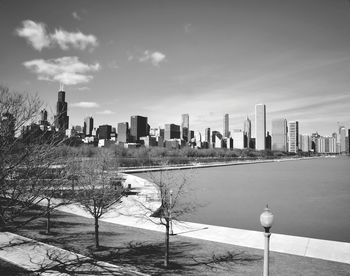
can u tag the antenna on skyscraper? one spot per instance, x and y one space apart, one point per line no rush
61 86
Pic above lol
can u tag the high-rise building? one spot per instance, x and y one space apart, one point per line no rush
171 131
305 143
207 135
238 139
61 118
226 126
260 126
104 132
279 134
123 132
88 126
293 136
185 127
342 135
217 139
247 131
138 128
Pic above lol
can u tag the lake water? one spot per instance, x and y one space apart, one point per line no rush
309 198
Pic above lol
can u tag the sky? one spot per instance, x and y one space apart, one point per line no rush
161 59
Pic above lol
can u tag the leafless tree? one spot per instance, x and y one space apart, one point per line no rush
26 165
96 189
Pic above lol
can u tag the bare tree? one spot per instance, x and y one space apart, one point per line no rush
176 201
25 164
96 189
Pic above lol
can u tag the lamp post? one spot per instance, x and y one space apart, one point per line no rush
170 207
266 220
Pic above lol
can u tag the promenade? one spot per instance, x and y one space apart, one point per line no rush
132 213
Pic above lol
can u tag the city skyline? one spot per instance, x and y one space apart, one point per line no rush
166 58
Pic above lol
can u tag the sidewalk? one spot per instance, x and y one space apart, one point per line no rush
131 211
50 260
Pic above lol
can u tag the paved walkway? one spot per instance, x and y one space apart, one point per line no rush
45 259
131 211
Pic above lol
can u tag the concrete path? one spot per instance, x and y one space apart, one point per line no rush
50 260
132 213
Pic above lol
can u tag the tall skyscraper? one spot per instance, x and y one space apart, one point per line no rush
104 132
247 131
293 136
138 128
207 135
123 132
185 127
88 126
342 136
226 125
61 118
260 126
279 134
171 131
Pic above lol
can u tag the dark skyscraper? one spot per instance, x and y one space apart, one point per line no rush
61 118
138 128
104 132
88 126
185 127
123 132
172 131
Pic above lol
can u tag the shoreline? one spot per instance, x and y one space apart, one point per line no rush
127 215
215 164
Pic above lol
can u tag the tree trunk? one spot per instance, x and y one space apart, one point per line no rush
48 217
97 242
166 257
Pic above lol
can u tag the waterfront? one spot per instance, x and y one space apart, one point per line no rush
310 198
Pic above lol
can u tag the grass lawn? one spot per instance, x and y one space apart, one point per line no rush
143 250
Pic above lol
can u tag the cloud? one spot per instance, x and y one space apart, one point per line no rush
154 57
85 104
67 70
106 112
113 65
77 40
38 37
35 34
76 16
188 28
84 88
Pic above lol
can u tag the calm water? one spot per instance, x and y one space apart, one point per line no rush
309 198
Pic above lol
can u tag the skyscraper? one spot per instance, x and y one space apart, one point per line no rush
260 126
123 132
207 135
293 136
279 134
171 131
342 135
61 118
88 126
247 131
138 128
226 125
185 127
104 132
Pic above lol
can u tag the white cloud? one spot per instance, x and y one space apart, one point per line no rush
106 112
77 40
38 37
76 15
84 88
35 34
85 104
67 70
154 57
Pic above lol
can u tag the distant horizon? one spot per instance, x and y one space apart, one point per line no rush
204 58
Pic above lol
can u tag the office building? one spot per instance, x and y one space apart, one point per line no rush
247 131
293 136
185 127
207 136
104 132
226 126
217 139
268 141
88 126
279 134
260 126
61 119
138 128
171 131
305 143
123 132
238 139
342 136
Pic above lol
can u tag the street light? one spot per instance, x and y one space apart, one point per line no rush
266 220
